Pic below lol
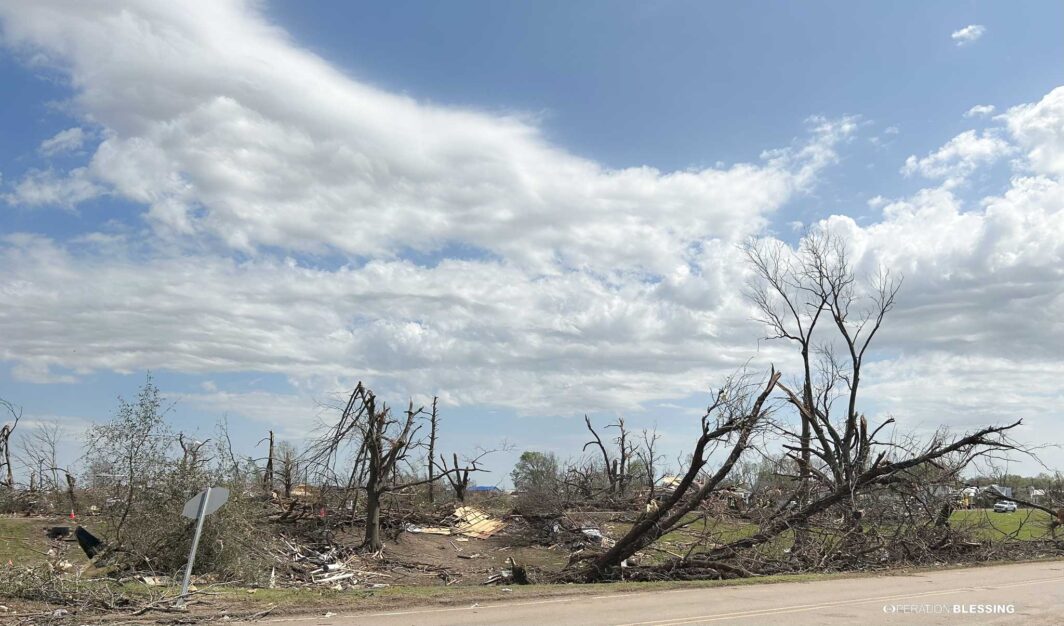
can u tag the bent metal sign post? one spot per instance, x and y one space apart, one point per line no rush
198 508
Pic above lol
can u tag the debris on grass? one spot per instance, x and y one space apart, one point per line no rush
476 523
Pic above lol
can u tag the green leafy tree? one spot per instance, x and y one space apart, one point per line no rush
136 447
536 472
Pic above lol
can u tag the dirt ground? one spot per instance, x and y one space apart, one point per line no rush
426 567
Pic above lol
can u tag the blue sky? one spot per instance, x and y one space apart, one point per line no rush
529 209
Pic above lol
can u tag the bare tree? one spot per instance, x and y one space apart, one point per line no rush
434 422
730 420
650 458
615 468
385 442
5 441
790 303
267 474
39 454
191 460
795 290
459 476
288 472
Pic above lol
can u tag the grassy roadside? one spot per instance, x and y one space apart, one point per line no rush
311 601
22 538
230 603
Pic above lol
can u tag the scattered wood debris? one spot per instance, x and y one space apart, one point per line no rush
428 530
476 523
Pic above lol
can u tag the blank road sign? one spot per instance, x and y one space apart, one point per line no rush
219 495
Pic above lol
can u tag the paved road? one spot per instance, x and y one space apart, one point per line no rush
1034 592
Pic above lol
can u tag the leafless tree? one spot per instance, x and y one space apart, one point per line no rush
460 475
191 459
790 302
288 473
267 473
795 290
39 454
384 442
650 458
730 421
615 468
434 422
5 441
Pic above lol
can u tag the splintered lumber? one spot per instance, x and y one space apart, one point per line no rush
475 523
428 530
332 579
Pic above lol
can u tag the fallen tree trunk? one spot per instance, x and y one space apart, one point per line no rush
739 421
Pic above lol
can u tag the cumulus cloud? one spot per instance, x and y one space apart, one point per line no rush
1039 129
478 331
969 34
352 168
64 141
959 157
980 110
588 288
941 389
50 188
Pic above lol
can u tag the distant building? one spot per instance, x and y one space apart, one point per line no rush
998 490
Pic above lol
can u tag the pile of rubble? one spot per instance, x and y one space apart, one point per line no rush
332 567
466 521
576 536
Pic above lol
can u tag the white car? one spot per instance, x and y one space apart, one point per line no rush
1004 507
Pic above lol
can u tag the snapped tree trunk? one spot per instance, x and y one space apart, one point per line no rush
373 521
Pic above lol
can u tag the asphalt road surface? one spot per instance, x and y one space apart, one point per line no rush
1029 593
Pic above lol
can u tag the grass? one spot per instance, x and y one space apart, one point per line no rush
309 600
716 530
1024 524
282 601
21 539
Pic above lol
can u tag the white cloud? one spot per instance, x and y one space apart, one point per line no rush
1039 129
599 288
348 167
482 332
936 389
961 156
63 142
876 202
49 188
968 34
291 415
980 110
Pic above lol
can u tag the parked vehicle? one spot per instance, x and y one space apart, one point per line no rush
1004 507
